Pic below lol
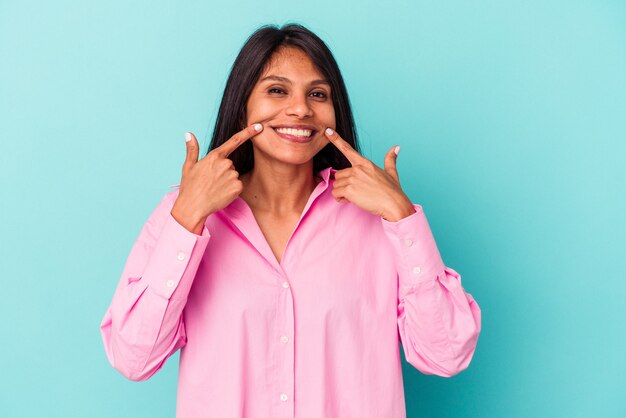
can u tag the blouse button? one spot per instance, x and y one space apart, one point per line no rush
417 270
283 397
169 283
181 256
285 285
408 242
284 339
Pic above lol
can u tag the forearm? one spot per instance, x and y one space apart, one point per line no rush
438 321
143 324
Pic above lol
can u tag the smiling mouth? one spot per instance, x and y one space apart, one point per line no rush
295 135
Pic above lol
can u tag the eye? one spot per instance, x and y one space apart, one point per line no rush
319 94
323 95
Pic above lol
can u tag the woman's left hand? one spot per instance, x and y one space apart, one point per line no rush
368 186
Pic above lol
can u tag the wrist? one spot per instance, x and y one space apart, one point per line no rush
399 211
190 221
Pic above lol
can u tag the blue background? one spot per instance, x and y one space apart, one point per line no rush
511 116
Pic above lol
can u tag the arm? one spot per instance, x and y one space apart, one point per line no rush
438 322
143 326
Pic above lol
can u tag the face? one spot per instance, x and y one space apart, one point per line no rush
289 93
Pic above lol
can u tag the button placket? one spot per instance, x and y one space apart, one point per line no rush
285 349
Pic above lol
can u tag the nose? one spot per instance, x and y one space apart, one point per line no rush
299 106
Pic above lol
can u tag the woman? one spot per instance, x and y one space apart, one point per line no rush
286 266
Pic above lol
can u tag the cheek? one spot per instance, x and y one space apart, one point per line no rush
259 111
263 138
329 117
264 108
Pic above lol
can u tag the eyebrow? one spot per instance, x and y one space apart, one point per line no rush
286 80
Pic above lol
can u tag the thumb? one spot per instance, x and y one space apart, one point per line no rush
192 151
390 163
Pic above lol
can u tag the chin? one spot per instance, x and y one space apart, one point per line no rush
295 159
283 150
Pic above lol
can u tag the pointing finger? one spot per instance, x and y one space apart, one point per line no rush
344 147
239 138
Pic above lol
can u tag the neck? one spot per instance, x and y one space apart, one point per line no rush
279 189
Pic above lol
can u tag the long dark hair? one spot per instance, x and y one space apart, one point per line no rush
247 69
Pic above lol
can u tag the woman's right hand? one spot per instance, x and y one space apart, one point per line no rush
210 184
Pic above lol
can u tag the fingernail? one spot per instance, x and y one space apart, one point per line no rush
187 136
258 126
396 149
329 131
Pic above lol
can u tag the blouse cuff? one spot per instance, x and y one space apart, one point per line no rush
177 251
417 257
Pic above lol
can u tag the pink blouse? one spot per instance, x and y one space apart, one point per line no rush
314 336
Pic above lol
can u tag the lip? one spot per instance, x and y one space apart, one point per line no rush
297 126
293 138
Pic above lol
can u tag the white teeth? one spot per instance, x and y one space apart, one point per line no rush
296 132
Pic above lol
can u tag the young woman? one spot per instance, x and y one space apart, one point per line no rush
287 267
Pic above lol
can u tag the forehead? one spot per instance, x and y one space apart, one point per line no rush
290 61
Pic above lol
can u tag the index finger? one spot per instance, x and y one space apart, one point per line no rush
346 149
237 139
